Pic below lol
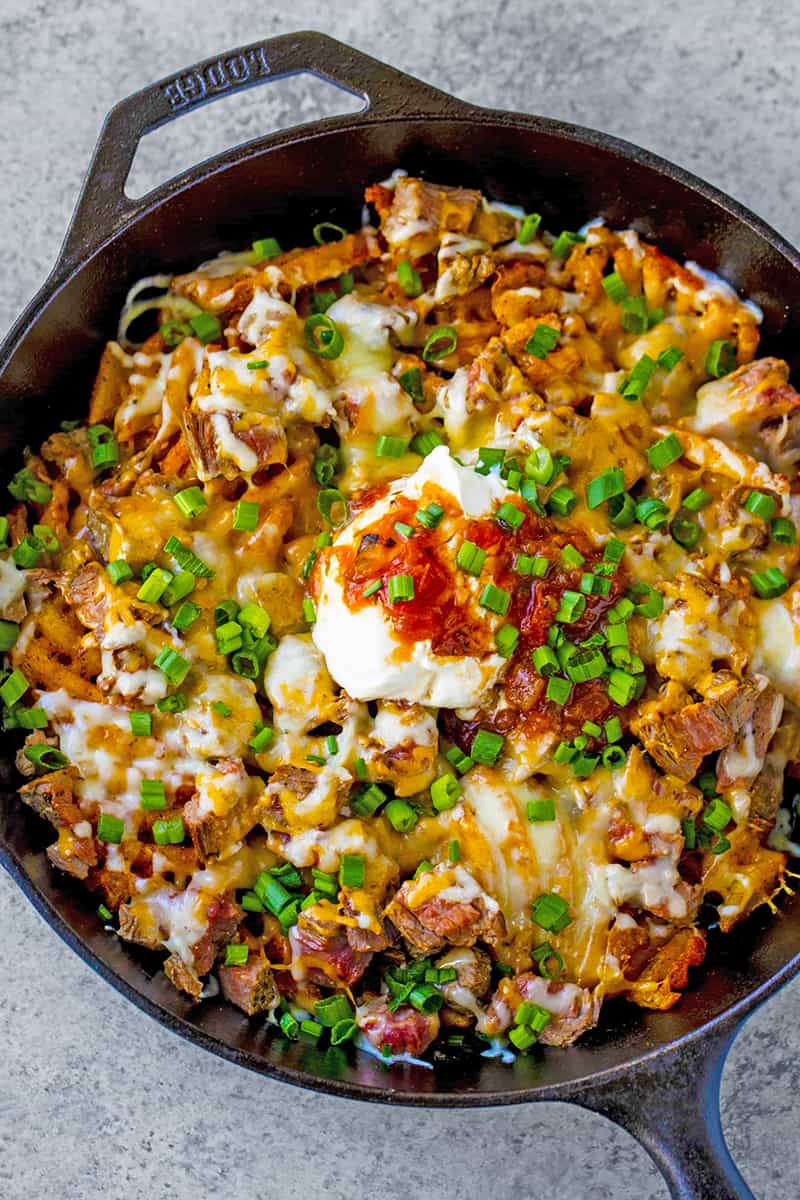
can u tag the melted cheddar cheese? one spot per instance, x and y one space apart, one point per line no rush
413 620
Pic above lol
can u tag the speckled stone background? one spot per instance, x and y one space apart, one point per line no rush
98 1101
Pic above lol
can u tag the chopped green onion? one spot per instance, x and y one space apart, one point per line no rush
175 703
28 552
613 757
562 501
615 287
225 611
663 452
585 665
169 831
153 795
309 611
697 499
542 341
541 810
9 632
346 283
486 747
326 231
408 278
351 871
529 228
245 516
25 486
222 709
646 600
332 1009
30 718
571 556
506 639
45 756
564 243
634 314
783 531
509 514
622 511
311 1029
400 815
322 336
571 607
717 815
236 954
343 1031
423 443
174 667
495 599
206 327
670 357
110 829
411 383
533 1016
181 585
141 723
173 333
604 486
439 343
400 588
633 386
326 463
539 465
104 913
328 500
390 447
761 505
190 501
186 560
154 586
558 690
430 516
403 530
13 688
254 618
542 955
266 248
652 513
47 537
372 588
545 661
322 301
368 800
458 759
470 558
522 1038
721 358
621 687
258 364
767 584
686 533
551 912
445 791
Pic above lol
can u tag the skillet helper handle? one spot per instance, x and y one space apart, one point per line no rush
103 207
671 1106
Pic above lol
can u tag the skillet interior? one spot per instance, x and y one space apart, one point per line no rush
281 189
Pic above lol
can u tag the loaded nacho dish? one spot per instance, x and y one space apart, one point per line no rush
407 642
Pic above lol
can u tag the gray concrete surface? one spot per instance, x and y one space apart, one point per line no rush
95 1099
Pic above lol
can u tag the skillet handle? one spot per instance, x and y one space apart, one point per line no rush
671 1106
103 207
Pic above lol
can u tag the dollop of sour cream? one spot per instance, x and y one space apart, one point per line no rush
361 649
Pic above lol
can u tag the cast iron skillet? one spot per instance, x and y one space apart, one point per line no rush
657 1074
